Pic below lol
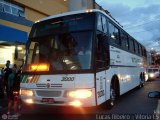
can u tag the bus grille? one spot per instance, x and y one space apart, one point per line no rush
48 93
51 85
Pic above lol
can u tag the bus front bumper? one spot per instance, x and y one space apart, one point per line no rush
38 97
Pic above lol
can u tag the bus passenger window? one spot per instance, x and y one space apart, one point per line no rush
114 34
124 41
99 23
140 50
111 30
102 52
104 22
136 47
131 44
35 58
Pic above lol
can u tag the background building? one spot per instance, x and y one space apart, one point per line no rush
17 17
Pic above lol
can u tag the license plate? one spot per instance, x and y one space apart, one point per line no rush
48 100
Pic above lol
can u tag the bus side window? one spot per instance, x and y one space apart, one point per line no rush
102 56
136 48
114 34
104 23
124 41
35 54
131 44
99 23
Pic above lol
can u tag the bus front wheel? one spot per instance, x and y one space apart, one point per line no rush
114 93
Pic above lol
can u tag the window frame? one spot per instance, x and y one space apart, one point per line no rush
125 39
115 39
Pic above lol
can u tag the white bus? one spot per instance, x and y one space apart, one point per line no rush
80 58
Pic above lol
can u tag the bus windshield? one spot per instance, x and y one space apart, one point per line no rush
65 43
63 24
68 51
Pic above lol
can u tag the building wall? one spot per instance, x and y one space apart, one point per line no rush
33 15
34 10
15 25
37 9
80 4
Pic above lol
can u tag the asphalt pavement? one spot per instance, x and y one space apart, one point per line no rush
3 104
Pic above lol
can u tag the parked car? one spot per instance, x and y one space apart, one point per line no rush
152 73
156 94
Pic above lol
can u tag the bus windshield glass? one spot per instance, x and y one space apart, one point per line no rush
65 43
63 24
68 51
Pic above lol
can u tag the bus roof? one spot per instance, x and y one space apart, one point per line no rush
78 12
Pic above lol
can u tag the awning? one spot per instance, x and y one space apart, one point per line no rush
9 34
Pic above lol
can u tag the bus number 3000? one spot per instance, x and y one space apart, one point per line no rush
100 93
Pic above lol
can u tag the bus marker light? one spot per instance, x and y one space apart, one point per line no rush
39 67
89 10
37 21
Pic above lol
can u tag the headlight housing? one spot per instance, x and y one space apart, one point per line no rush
151 75
26 92
80 94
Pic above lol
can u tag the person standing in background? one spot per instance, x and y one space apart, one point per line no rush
1 84
12 101
6 73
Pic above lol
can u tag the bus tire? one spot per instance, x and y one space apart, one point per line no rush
114 92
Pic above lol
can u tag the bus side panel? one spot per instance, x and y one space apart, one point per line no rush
84 81
100 87
127 69
129 78
122 58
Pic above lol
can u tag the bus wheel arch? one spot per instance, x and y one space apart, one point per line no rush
114 91
115 85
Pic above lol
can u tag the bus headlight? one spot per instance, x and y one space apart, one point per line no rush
80 94
151 75
26 92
